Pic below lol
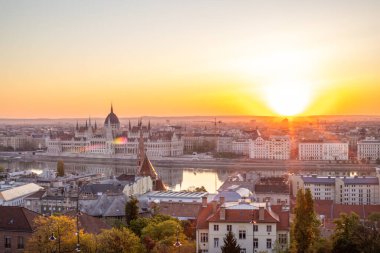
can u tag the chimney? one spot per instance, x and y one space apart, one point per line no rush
204 201
221 200
261 213
222 213
214 203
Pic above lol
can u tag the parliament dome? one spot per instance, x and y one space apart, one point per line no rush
112 119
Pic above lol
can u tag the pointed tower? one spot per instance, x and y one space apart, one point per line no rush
86 125
129 126
77 127
96 126
141 148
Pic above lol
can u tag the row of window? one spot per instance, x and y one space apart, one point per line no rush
255 243
8 242
255 228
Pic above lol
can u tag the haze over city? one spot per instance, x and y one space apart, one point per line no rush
170 58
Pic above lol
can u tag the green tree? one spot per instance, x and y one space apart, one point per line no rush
344 237
352 236
60 169
305 227
230 244
131 210
137 225
119 241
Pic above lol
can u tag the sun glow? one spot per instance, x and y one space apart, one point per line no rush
288 98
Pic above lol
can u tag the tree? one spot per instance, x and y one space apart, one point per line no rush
63 229
161 236
119 241
230 244
305 227
352 236
200 189
131 210
60 169
344 238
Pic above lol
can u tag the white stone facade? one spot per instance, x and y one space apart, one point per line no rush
274 148
369 149
323 151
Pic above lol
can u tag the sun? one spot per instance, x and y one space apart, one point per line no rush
288 98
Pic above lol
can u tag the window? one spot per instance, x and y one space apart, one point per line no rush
229 228
243 251
216 227
269 228
216 242
282 239
269 243
20 242
7 242
242 234
255 243
204 237
255 228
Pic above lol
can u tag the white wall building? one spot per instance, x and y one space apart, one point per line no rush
256 226
342 190
369 149
16 195
111 140
319 150
274 148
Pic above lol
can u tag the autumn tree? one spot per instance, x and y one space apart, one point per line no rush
119 241
131 210
57 234
60 169
230 244
161 236
305 227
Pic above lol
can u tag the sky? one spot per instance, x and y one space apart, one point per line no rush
170 58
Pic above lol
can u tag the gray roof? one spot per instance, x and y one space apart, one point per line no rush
318 180
361 180
104 206
103 188
229 196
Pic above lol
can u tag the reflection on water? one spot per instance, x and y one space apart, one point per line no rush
176 179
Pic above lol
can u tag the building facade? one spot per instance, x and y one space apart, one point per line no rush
112 140
273 148
369 149
341 190
319 150
257 227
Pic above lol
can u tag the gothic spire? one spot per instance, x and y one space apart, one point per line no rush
111 108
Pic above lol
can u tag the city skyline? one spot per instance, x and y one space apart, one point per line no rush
70 59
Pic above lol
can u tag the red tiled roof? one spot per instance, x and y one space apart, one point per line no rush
243 216
206 215
203 214
159 186
14 218
147 169
182 209
332 211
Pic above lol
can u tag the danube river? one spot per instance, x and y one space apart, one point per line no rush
180 174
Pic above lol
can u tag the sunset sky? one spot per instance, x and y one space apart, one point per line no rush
170 58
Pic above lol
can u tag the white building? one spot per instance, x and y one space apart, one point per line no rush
240 147
274 148
15 196
112 140
369 149
257 226
319 150
141 185
342 190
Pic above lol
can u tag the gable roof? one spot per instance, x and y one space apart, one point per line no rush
147 169
14 218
